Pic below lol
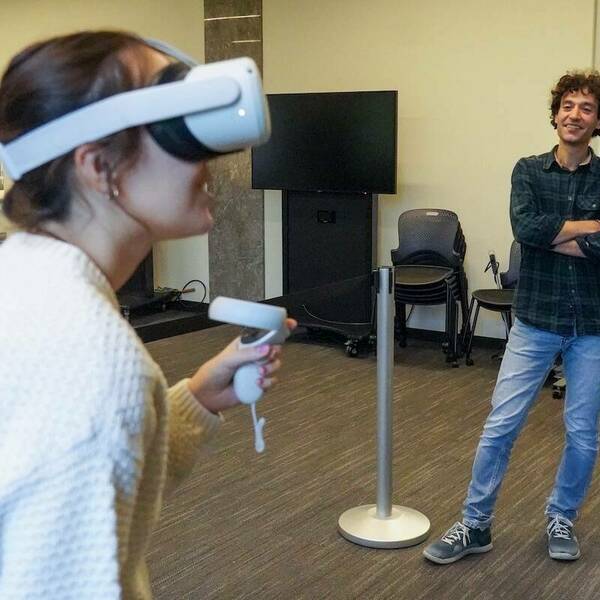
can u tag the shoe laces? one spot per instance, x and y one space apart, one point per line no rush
559 528
459 532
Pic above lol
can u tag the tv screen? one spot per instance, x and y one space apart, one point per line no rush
334 142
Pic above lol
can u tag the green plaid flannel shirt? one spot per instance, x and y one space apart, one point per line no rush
555 292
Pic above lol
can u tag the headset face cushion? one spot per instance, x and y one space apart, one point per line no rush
173 135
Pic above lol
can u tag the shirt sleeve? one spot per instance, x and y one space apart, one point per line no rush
190 427
590 246
59 531
530 225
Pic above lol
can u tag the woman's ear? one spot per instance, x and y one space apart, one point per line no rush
91 169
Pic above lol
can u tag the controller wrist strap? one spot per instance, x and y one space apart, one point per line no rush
259 440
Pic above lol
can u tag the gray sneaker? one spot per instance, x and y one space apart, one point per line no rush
457 542
562 541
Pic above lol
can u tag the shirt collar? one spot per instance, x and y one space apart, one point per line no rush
550 161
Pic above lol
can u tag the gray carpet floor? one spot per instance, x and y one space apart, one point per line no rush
265 526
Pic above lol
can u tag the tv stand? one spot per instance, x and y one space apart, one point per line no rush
330 237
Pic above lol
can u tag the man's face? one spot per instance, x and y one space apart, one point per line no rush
577 117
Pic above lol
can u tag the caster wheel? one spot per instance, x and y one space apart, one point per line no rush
352 350
469 362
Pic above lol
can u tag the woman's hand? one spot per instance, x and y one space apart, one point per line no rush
212 384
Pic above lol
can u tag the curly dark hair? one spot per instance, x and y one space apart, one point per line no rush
574 81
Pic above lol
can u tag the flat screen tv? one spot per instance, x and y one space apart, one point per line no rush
332 141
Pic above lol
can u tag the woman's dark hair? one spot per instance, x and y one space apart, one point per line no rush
49 79
575 81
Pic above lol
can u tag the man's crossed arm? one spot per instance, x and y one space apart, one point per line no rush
565 242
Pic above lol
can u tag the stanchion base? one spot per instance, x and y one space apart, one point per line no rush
404 527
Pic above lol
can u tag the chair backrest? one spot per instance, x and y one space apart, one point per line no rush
510 277
429 236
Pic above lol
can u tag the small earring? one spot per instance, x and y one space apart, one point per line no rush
113 191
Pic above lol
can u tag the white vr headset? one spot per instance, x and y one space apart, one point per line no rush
192 111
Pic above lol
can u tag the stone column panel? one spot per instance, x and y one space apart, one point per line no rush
236 245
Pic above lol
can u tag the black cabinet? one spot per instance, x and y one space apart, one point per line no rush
328 238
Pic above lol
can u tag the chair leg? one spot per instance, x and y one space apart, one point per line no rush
469 346
466 330
466 319
451 327
400 324
454 330
507 318
446 342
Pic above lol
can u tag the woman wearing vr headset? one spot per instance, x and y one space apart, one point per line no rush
91 437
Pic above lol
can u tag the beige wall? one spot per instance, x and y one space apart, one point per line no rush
179 22
473 79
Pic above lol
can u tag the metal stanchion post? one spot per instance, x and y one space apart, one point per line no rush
384 525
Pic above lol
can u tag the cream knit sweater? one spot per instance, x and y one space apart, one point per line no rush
90 436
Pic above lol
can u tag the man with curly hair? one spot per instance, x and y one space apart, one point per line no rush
555 212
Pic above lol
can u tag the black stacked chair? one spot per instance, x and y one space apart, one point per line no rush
429 270
498 299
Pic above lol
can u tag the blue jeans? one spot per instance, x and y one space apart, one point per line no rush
528 358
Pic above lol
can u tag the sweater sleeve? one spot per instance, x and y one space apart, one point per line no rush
190 427
59 533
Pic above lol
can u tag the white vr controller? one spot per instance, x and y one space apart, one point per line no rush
264 324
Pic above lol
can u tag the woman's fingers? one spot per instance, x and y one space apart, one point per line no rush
266 383
275 352
270 368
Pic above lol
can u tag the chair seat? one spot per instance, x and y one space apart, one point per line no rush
428 285
420 290
421 301
420 275
495 299
421 293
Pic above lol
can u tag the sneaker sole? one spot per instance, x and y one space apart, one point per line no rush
447 561
564 556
